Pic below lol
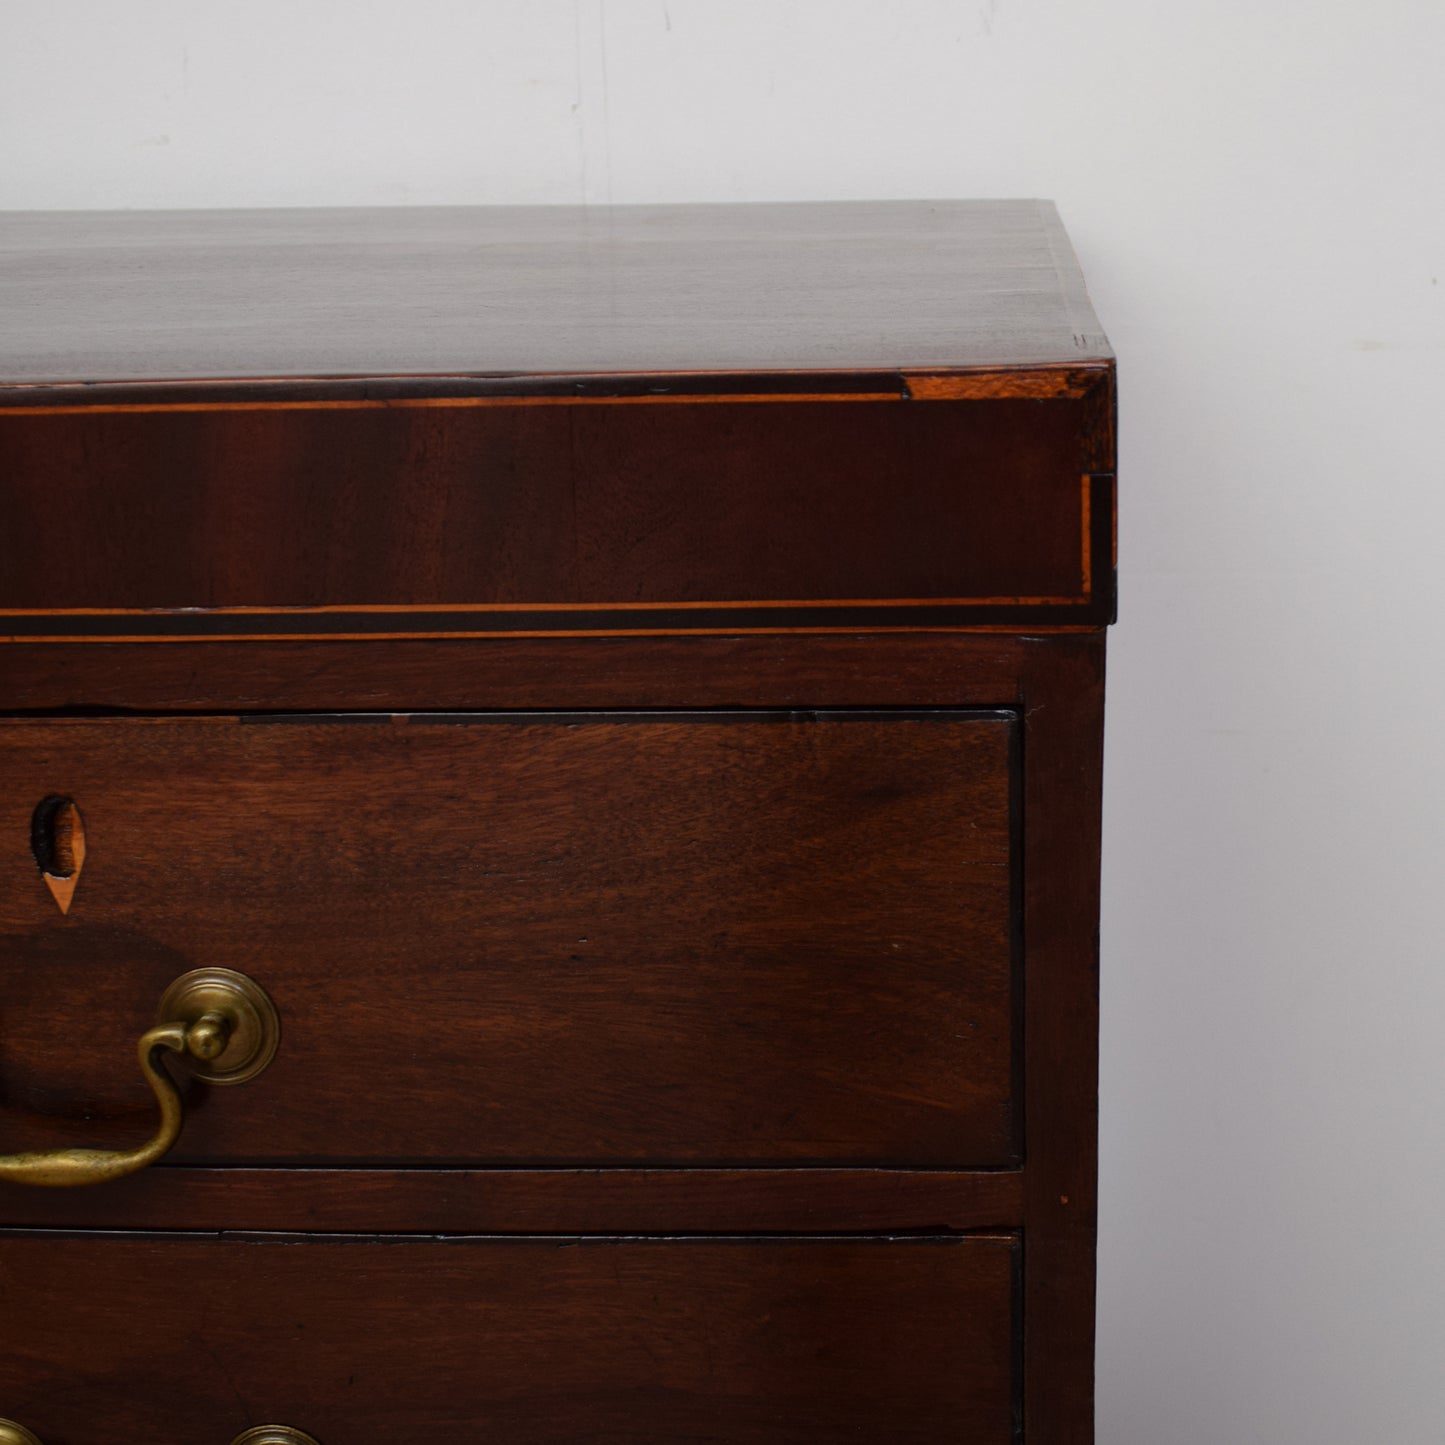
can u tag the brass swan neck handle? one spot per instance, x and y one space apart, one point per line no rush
226 1029
61 1168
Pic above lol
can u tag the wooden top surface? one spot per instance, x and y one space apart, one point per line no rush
560 291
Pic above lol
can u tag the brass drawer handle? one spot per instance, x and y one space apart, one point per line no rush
225 1028
13 1434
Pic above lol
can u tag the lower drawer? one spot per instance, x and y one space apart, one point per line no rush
191 1339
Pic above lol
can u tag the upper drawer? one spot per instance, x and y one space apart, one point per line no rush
443 515
605 938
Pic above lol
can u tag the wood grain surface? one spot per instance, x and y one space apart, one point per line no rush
870 286
1062 785
633 937
533 1201
533 1341
420 520
688 961
783 670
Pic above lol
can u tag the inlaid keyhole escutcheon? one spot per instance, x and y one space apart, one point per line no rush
57 839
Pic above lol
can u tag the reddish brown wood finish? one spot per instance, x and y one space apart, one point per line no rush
486 423
1064 722
501 516
707 937
535 1201
580 293
539 1341
861 670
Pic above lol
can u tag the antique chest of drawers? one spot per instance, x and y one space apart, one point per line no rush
549 803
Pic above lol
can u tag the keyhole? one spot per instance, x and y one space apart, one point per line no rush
57 839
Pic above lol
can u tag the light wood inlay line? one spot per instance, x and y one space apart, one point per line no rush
1020 383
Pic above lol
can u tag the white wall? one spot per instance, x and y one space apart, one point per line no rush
1255 187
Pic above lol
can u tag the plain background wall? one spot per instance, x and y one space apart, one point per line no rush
1255 188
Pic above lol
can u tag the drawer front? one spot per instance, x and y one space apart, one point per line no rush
525 938
496 516
528 1340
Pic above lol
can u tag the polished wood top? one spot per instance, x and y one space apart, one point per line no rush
874 287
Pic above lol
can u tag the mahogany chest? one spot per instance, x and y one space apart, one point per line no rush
549 825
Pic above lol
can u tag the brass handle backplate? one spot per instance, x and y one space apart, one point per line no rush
269 1435
226 1029
13 1434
